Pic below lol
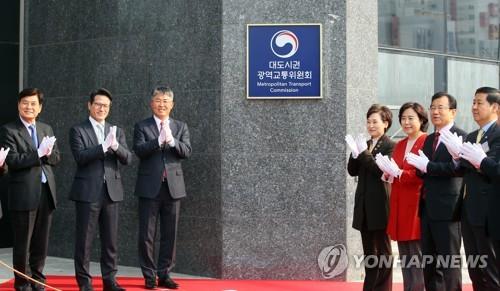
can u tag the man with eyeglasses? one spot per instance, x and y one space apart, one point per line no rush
98 148
440 200
32 188
161 143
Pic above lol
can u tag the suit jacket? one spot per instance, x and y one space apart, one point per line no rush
442 182
476 184
152 158
93 165
371 206
25 167
3 170
490 166
404 221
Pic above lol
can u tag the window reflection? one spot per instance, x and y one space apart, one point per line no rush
467 27
473 28
417 24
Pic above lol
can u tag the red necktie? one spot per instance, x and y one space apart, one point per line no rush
164 173
435 142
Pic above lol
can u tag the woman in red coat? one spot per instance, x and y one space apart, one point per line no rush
404 221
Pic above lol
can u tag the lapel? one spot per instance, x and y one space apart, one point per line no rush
377 146
151 125
173 126
89 129
488 132
24 133
39 132
106 129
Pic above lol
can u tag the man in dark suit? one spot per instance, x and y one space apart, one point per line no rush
440 200
3 169
474 192
487 159
98 148
32 187
161 143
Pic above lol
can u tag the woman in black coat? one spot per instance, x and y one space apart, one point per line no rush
371 206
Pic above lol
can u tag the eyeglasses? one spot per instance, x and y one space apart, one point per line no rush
100 105
438 108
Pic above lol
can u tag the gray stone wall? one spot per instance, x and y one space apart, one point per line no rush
283 173
361 92
129 46
267 181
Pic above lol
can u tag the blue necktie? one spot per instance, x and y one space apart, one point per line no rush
34 138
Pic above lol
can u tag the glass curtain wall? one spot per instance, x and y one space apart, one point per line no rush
427 46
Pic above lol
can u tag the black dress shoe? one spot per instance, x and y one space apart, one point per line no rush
168 283
113 286
150 284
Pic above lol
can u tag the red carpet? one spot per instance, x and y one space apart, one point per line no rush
68 283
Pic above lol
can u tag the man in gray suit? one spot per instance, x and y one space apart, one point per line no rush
32 187
161 143
97 147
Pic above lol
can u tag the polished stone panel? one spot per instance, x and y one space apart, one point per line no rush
267 186
128 47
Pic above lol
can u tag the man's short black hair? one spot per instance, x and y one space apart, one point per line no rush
493 94
30 92
100 91
452 102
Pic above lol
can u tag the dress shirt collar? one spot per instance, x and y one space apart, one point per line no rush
158 121
27 125
95 122
488 125
447 127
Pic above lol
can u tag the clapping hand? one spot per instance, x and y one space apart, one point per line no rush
46 146
114 142
357 145
351 143
419 161
473 153
361 143
453 142
168 136
163 136
388 166
3 155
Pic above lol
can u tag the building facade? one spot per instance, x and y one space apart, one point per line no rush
267 185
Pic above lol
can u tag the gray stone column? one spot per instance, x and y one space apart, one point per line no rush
283 162
361 92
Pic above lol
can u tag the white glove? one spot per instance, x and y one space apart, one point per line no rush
107 142
352 145
3 155
44 148
387 166
114 142
361 143
395 168
452 141
50 143
163 136
473 153
420 162
169 137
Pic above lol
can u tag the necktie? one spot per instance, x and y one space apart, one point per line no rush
480 134
435 142
100 133
164 173
34 138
